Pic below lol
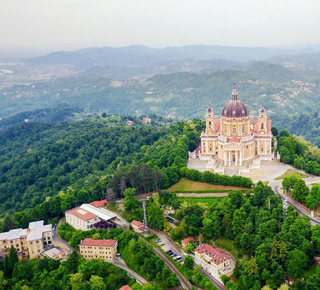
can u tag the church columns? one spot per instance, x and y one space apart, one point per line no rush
236 159
225 158
240 163
229 158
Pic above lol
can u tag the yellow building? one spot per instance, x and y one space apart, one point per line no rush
98 249
30 241
235 137
214 260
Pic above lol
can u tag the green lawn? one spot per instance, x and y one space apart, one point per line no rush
204 202
185 185
291 172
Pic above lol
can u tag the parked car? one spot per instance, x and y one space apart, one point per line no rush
168 252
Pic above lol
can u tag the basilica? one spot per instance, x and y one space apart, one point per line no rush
235 139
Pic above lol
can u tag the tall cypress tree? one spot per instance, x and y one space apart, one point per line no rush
9 262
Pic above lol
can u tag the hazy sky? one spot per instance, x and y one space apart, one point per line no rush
72 24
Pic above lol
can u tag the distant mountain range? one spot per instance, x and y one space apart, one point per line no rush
138 55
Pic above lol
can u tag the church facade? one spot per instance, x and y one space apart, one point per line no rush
234 137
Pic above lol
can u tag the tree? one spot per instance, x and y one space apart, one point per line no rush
315 236
239 219
8 223
130 202
188 261
296 262
96 283
274 131
76 281
251 267
311 202
73 262
300 190
207 229
9 262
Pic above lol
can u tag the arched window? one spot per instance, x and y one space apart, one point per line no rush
234 131
262 126
243 129
210 124
225 129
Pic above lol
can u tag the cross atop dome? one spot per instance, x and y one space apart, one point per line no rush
234 94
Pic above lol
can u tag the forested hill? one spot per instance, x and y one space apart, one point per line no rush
61 112
37 161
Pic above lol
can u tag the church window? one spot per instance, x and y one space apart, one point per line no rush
225 129
243 129
210 124
262 126
210 149
247 146
234 129
233 112
242 111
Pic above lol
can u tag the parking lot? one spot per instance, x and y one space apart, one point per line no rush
171 250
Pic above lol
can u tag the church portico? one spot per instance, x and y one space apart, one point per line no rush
235 140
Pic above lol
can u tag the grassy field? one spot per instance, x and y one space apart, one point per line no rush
185 185
229 246
204 202
291 172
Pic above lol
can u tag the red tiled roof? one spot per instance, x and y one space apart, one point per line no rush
136 223
97 243
233 140
99 203
187 240
125 287
87 216
217 125
215 253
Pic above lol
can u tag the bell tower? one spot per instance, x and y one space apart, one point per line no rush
262 121
209 121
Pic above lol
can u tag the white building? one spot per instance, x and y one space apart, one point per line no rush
84 217
81 219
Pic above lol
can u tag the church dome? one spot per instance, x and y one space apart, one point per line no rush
235 108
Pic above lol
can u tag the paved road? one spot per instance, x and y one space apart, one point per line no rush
170 244
58 242
183 281
123 266
296 205
216 283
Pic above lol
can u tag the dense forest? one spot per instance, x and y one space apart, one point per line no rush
48 168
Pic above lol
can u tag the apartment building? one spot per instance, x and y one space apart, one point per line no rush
30 242
98 249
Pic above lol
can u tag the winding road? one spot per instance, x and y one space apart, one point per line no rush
173 246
